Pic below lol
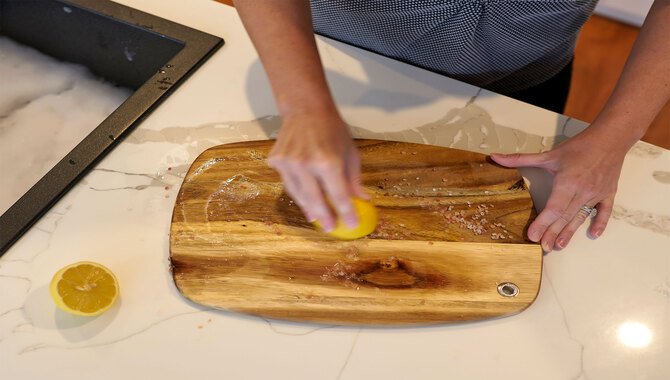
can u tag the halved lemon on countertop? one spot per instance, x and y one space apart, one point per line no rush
84 288
367 222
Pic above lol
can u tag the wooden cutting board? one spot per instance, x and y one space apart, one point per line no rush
449 247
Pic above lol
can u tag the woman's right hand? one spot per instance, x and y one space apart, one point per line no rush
319 165
314 153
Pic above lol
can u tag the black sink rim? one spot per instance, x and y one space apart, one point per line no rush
198 47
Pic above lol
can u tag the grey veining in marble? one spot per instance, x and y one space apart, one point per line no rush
662 176
653 222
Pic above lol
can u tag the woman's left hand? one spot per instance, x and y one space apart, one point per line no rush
586 171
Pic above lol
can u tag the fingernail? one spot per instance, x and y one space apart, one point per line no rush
352 221
546 247
364 195
595 235
327 227
534 235
561 243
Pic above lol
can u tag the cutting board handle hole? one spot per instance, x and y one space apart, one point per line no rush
508 289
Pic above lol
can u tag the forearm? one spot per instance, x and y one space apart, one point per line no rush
644 86
282 33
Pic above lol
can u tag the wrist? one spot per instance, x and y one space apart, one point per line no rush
323 106
615 135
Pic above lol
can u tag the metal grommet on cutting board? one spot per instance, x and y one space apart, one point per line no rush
508 289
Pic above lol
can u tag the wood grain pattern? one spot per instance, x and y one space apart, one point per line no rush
452 227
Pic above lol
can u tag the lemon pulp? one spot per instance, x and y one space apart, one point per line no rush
84 288
367 222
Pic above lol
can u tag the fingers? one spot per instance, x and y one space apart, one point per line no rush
600 221
562 216
320 165
559 208
566 234
517 160
561 230
306 192
354 177
291 187
314 204
582 176
559 233
307 185
332 179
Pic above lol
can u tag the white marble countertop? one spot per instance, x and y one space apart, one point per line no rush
629 11
603 311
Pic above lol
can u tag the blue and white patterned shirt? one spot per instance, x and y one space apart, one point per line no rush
501 45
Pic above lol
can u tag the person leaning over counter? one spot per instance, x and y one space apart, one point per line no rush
522 49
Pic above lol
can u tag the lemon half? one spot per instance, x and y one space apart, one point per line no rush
84 288
367 222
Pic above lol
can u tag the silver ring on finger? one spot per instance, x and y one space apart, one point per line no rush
590 211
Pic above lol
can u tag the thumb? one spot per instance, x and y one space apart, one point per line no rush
357 189
517 160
